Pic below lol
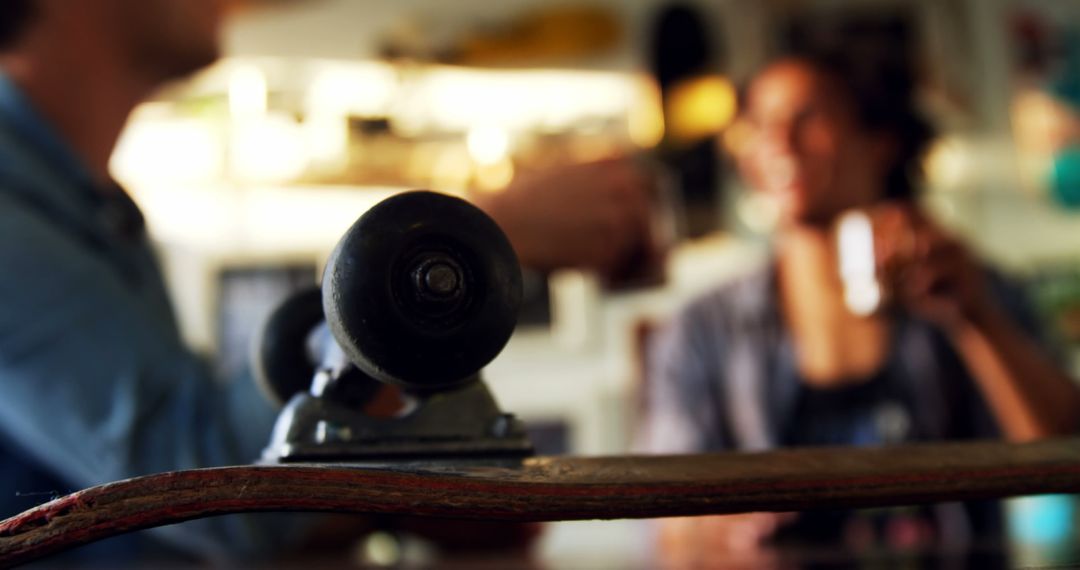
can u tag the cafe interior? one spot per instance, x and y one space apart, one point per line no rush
250 171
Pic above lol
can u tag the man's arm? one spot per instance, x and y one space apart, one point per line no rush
592 216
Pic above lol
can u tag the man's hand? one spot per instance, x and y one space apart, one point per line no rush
591 216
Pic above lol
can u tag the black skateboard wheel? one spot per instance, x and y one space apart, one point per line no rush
422 291
281 362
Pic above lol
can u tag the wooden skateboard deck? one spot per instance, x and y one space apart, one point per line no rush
558 488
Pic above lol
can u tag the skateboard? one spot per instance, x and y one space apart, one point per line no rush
557 488
419 295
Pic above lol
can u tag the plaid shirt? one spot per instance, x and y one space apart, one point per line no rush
723 376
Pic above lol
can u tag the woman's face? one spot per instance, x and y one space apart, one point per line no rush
807 150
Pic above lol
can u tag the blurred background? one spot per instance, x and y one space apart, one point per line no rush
250 171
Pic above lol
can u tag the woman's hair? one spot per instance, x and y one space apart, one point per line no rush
14 15
883 97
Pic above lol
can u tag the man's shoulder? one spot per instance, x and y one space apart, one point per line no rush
39 208
21 179
30 178
37 250
21 224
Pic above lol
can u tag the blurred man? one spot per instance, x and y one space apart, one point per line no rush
95 382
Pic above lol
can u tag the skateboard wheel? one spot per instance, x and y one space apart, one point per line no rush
422 291
281 362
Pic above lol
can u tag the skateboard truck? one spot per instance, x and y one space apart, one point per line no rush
420 294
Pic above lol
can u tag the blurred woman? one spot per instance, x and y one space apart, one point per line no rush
778 359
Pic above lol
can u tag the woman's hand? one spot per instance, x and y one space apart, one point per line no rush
935 277
726 540
927 270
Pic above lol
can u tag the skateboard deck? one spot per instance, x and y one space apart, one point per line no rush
558 488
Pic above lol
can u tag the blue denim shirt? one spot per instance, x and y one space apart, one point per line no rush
96 384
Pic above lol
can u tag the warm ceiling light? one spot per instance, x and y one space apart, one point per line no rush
699 107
